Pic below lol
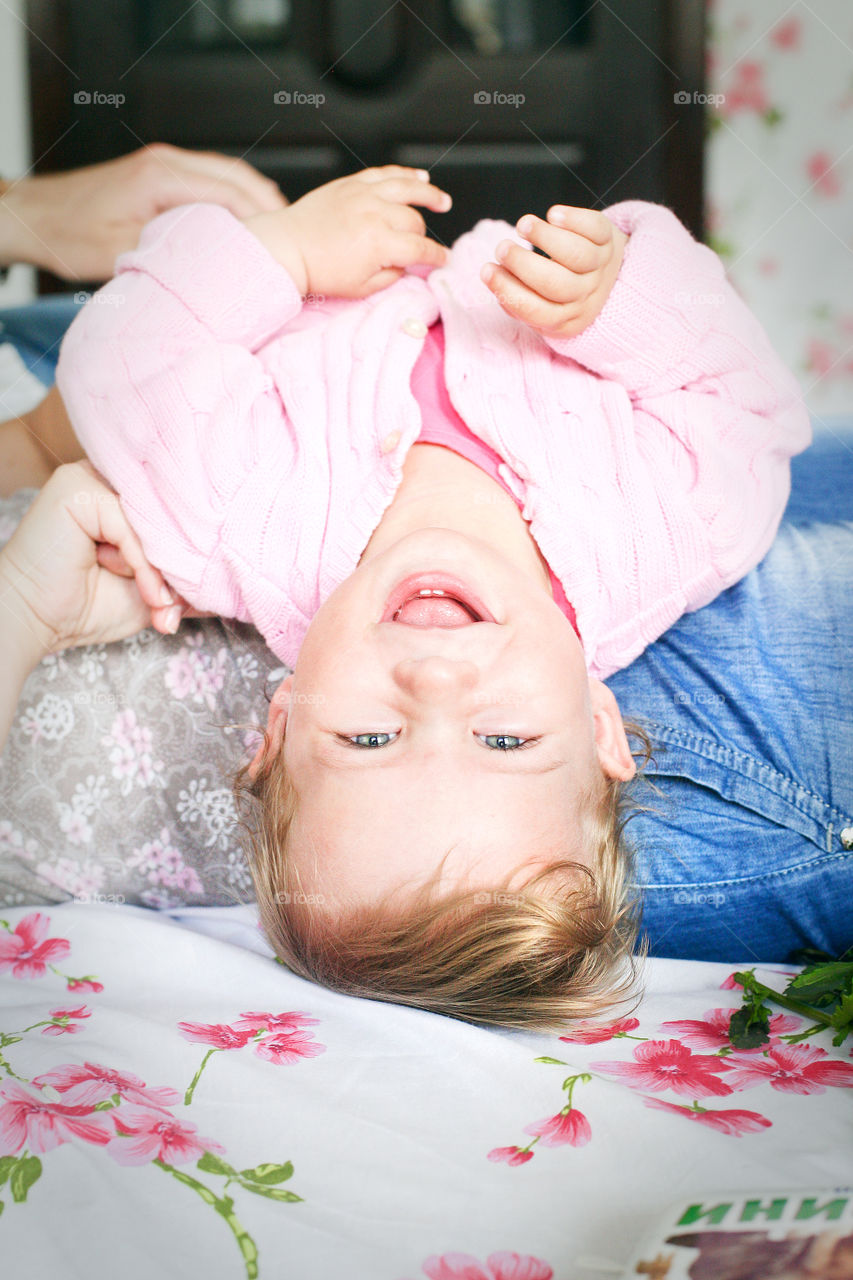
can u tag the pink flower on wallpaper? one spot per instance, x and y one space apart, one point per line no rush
733 1123
821 357
29 1120
130 754
509 1155
795 1068
498 1266
666 1064
69 1028
84 984
567 1128
150 1135
596 1032
821 170
86 1085
286 1049
712 1032
26 950
217 1034
787 34
746 91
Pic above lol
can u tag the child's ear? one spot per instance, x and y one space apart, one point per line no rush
614 753
276 723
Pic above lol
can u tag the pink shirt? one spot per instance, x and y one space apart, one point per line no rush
256 438
442 425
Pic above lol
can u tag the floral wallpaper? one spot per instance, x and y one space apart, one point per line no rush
779 179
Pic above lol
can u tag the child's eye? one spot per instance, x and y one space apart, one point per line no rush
504 741
370 739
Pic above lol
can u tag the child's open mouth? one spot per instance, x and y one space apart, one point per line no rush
434 600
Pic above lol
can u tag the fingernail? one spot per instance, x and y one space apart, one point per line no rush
166 596
423 174
503 249
557 215
486 272
447 201
173 619
525 225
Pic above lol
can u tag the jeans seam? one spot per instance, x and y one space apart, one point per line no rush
820 861
722 755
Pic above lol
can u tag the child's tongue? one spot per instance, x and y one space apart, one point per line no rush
434 611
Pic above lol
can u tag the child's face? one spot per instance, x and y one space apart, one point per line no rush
437 698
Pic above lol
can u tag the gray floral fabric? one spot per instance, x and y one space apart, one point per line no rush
115 782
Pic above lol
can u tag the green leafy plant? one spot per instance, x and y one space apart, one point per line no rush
821 992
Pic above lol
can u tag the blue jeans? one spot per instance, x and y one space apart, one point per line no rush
748 853
749 705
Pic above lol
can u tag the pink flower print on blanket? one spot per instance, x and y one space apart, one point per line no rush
795 1068
87 1085
30 1120
732 1122
711 1032
498 1266
195 674
143 1136
130 745
666 1064
25 949
277 1037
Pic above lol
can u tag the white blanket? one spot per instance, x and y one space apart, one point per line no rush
344 1139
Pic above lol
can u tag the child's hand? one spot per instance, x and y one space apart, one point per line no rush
54 584
357 234
562 296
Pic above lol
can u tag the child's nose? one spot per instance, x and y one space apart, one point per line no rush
435 676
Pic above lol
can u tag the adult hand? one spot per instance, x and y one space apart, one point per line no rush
357 234
76 224
55 591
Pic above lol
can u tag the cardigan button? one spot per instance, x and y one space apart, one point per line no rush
414 328
390 442
846 837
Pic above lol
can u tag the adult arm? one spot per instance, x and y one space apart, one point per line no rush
75 224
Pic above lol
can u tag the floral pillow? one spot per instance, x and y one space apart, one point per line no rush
115 782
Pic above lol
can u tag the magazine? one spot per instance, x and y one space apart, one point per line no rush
764 1235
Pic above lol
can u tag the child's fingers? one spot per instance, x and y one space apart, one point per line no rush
415 191
549 279
590 223
522 302
572 250
408 250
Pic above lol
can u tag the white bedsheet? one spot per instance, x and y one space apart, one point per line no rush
388 1115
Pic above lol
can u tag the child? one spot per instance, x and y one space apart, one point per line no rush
454 501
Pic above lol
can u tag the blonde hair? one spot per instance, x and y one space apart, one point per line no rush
532 958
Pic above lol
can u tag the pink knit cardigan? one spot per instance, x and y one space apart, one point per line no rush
256 437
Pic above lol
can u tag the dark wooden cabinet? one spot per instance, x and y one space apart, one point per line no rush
512 104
